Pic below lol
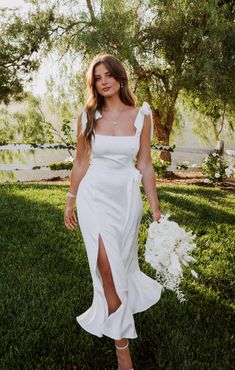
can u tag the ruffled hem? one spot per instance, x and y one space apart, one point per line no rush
143 292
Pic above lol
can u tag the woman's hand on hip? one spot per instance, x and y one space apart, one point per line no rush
70 219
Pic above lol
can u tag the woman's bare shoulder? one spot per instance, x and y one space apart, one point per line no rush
131 110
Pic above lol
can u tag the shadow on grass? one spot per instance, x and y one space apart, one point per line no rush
45 280
194 335
201 205
46 283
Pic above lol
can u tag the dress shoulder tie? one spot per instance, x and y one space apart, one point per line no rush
144 110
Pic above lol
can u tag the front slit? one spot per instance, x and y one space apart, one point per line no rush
100 239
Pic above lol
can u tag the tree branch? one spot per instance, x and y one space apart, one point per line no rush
91 11
53 128
222 120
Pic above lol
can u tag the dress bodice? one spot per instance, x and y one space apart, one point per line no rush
117 152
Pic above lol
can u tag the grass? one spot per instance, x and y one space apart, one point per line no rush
46 283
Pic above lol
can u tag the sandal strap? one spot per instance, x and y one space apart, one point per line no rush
117 347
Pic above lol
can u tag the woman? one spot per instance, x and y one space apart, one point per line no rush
109 204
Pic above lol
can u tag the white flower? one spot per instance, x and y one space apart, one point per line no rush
165 217
152 259
229 171
189 258
69 159
182 249
215 154
167 227
175 267
194 273
165 242
153 229
164 259
194 165
163 228
207 181
217 175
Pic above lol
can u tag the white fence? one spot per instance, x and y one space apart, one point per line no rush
24 147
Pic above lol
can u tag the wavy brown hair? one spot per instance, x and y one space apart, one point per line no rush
95 101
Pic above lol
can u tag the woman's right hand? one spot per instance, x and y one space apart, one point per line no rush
70 219
156 214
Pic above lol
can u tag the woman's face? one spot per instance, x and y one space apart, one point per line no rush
106 85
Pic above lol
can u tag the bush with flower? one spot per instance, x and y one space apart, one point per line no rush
160 166
215 168
67 164
182 166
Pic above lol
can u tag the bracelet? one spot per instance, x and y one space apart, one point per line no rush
70 195
68 208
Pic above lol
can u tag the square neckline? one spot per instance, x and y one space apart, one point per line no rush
125 136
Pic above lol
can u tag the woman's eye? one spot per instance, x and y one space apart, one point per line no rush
99 77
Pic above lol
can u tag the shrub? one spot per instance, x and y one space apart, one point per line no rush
160 166
67 164
215 168
182 166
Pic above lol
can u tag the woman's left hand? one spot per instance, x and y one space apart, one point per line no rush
156 215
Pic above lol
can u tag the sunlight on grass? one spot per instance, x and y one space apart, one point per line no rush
46 283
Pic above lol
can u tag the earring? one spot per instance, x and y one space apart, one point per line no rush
122 85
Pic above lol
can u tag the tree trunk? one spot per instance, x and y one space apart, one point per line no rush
163 131
163 134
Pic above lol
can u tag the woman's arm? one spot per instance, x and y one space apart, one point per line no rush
81 161
80 166
145 166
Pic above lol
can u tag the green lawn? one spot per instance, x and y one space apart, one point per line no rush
45 283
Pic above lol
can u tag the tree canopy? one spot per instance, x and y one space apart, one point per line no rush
168 47
22 42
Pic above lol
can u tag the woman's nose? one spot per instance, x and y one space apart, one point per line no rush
104 80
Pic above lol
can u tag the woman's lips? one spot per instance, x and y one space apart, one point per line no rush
105 88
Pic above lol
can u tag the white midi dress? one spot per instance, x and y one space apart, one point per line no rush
109 204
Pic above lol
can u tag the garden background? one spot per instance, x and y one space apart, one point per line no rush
180 57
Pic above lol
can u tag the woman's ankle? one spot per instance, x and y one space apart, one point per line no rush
121 344
123 354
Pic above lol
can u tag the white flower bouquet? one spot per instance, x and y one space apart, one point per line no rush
166 250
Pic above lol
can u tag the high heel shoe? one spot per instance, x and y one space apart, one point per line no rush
124 347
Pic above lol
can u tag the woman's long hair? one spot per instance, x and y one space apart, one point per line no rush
95 101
